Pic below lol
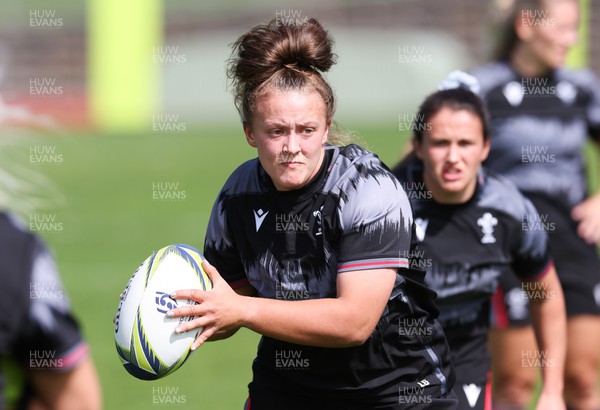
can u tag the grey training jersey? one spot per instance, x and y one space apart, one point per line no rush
539 127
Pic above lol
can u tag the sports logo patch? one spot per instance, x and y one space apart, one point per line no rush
259 217
487 223
421 228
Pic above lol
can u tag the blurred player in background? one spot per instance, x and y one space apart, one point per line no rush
469 226
44 362
541 116
320 235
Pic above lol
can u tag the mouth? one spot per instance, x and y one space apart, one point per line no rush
291 164
451 174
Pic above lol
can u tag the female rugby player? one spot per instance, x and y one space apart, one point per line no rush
541 116
471 231
309 245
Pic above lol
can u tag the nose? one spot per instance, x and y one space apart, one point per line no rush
292 144
453 153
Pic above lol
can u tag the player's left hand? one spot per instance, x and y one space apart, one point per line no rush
587 214
219 311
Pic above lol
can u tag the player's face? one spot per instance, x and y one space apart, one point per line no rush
548 33
452 152
289 129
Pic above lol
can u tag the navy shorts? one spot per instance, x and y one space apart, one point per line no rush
468 345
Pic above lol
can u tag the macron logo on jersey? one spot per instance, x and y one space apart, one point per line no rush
472 392
421 228
259 217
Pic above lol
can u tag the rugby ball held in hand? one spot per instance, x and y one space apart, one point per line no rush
144 335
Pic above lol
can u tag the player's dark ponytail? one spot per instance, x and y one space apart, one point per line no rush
284 56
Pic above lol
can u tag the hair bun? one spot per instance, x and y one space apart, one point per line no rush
306 45
270 47
287 55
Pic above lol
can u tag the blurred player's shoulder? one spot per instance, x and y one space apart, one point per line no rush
583 78
492 75
498 192
11 223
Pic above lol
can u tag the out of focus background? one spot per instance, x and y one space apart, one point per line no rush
117 131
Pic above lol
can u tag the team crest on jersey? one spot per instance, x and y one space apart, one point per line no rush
259 217
421 228
487 223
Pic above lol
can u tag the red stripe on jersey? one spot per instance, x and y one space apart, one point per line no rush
74 357
387 263
499 309
487 404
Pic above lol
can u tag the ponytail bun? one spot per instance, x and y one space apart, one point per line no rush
287 56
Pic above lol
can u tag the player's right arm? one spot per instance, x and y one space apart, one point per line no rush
547 307
344 321
546 304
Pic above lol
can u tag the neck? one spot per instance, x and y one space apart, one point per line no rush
526 64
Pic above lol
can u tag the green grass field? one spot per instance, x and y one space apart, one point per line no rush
111 222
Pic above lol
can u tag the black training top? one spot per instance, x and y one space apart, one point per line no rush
292 245
466 247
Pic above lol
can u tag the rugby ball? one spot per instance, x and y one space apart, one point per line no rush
144 335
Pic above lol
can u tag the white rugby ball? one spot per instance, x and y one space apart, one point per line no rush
144 336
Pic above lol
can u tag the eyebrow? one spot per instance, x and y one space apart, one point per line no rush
312 124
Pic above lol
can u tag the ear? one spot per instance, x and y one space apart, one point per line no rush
325 136
418 147
248 132
486 149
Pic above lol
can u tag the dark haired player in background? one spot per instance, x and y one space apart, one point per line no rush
469 224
